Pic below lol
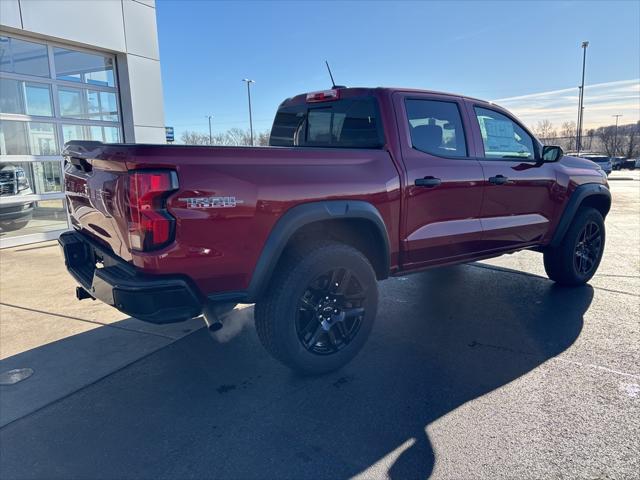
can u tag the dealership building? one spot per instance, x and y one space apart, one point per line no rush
69 70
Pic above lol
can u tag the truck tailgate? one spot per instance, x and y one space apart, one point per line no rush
95 185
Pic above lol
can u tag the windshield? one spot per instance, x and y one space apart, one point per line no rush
598 159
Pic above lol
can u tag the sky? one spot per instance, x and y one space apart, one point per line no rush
525 56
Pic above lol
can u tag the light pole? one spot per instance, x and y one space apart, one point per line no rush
249 82
581 101
210 137
615 138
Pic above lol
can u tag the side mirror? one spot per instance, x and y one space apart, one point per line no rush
552 153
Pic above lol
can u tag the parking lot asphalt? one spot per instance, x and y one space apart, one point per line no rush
484 370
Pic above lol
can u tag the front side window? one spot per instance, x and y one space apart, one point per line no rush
502 137
436 127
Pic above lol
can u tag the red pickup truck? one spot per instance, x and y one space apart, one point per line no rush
359 184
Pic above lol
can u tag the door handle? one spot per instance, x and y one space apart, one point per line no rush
498 180
428 182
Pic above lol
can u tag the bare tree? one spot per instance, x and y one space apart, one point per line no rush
233 137
632 144
544 130
607 137
568 132
194 138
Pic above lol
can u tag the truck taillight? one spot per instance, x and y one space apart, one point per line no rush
323 96
150 224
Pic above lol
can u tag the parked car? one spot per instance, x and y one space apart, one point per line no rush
617 163
15 212
358 185
631 163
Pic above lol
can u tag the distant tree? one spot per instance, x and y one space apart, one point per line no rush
544 130
262 140
235 137
607 137
194 138
568 134
631 147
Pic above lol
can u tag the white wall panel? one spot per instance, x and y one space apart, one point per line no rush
92 22
151 3
145 86
140 29
10 13
150 134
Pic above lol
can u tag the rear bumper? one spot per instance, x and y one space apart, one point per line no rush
155 299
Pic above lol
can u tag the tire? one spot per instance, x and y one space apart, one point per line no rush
576 259
288 314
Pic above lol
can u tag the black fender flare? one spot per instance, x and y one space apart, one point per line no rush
576 199
302 215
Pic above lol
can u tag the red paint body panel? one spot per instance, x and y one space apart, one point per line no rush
464 218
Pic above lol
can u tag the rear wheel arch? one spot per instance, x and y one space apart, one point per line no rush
353 222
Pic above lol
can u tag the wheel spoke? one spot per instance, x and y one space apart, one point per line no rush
307 305
342 330
343 283
315 336
353 312
333 341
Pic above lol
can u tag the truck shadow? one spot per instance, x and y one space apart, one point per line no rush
200 408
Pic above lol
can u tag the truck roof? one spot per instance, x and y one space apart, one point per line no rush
360 91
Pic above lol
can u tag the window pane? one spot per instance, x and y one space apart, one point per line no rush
111 134
102 106
436 127
26 58
75 132
319 126
11 100
26 178
42 138
70 102
74 66
27 217
90 132
88 104
38 99
13 138
27 138
502 137
14 92
109 106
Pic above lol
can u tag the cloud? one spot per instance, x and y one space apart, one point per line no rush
601 101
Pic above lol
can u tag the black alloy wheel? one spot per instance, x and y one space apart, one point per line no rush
330 312
588 247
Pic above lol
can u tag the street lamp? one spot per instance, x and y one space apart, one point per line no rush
581 100
615 138
249 82
210 137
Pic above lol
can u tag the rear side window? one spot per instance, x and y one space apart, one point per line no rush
348 123
436 127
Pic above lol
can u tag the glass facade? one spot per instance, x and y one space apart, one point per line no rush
49 94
